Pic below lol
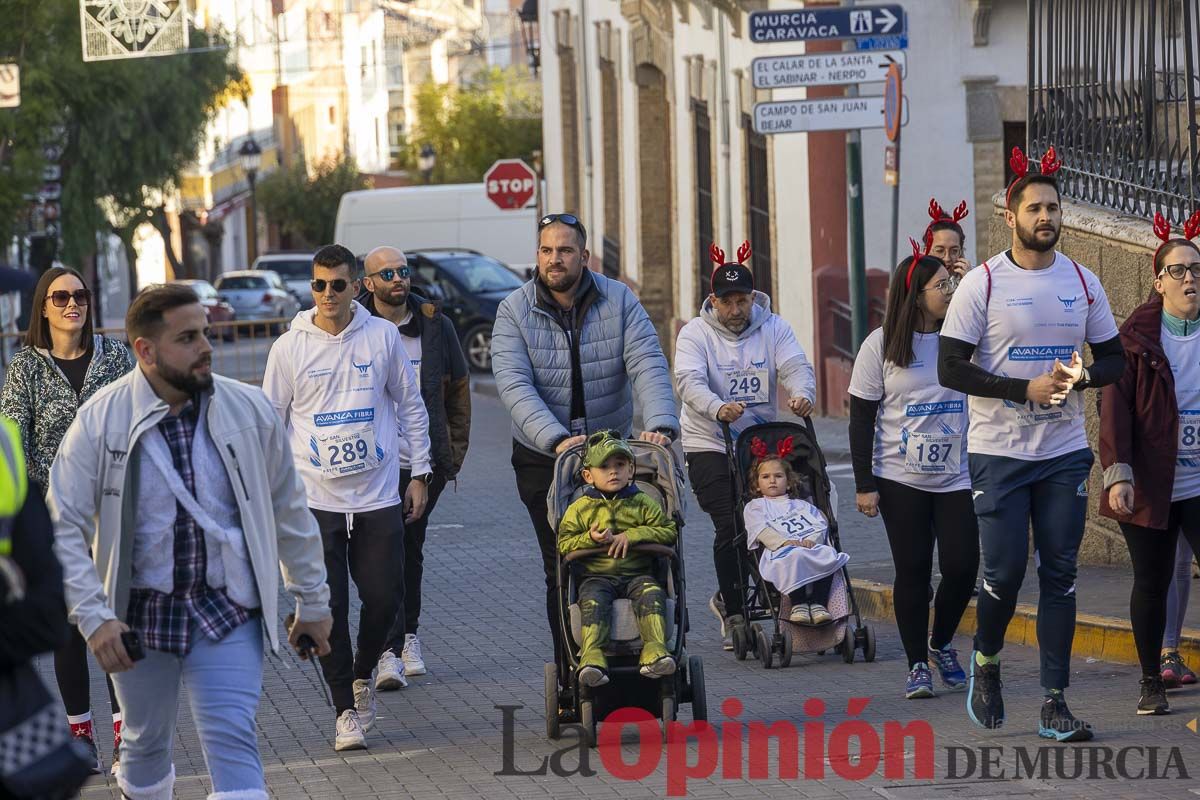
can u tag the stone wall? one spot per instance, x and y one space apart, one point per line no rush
1118 248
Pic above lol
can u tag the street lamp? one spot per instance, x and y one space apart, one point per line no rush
250 154
426 161
529 33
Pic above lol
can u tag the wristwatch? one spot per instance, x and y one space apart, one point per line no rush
1084 381
426 479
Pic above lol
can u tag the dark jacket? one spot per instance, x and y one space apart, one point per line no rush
445 383
1139 421
38 622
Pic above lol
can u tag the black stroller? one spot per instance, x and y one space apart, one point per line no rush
567 701
762 602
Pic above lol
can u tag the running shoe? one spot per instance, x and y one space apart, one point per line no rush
1174 672
985 705
389 673
1059 723
592 676
660 668
919 684
946 661
1153 699
717 606
820 614
349 734
411 655
364 703
800 614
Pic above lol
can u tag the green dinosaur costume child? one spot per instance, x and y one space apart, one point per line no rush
613 514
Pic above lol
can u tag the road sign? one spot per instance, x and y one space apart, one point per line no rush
891 166
10 86
509 183
808 25
882 43
824 69
823 114
893 103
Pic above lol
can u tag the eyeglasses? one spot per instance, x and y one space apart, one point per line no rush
390 274
60 298
338 285
1174 270
946 286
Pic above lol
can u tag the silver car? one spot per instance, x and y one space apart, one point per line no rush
296 270
258 295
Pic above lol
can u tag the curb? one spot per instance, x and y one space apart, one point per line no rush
1103 638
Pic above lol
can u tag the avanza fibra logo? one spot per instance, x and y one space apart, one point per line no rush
929 409
353 415
1040 352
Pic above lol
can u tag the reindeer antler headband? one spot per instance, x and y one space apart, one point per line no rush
717 255
1162 229
783 448
917 254
938 214
1049 165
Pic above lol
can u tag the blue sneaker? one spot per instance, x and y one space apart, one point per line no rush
919 684
946 661
985 705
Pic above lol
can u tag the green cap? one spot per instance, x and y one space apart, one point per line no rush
603 445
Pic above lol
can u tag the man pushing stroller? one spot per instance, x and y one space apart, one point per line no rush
614 513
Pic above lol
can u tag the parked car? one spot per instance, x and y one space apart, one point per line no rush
469 286
258 295
295 267
216 306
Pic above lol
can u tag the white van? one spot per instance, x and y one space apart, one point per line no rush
450 217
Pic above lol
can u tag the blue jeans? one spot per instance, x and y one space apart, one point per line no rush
224 681
1009 494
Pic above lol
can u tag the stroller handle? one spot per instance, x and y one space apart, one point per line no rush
648 548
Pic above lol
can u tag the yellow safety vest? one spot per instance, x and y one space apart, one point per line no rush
14 481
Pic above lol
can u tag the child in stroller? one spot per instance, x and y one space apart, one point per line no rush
614 513
796 556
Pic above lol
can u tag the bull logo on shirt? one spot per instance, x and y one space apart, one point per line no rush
117 456
363 369
758 364
1068 302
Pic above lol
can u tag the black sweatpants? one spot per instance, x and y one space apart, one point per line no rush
534 473
409 591
1153 554
713 486
915 520
74 679
815 592
370 548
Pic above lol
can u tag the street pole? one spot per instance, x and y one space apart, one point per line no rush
895 209
251 178
854 218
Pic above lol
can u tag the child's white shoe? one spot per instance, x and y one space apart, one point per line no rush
800 615
820 614
660 668
592 676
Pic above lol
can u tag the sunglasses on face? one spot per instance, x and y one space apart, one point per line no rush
61 298
1176 271
337 284
390 274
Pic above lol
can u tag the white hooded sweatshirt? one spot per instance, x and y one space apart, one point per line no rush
340 397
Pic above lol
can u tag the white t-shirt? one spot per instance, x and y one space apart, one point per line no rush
1183 354
412 347
1030 318
920 433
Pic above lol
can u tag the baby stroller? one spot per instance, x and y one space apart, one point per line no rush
567 701
763 602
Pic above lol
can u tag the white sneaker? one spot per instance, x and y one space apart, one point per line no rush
364 703
411 655
820 614
349 732
389 673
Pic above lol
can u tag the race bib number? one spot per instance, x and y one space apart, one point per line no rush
750 386
1031 413
347 453
933 453
1189 435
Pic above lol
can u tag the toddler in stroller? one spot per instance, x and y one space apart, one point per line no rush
613 513
796 556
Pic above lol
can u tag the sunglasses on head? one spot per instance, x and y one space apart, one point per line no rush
566 219
391 274
337 284
61 298
599 436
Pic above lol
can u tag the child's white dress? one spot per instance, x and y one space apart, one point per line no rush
791 566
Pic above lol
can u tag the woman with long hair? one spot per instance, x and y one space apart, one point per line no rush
908 447
62 364
1150 445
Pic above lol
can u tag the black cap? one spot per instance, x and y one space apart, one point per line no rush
730 278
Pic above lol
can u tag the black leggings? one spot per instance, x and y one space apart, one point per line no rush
915 520
1153 554
74 679
815 592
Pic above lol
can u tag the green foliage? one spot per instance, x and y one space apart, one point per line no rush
306 206
497 116
131 124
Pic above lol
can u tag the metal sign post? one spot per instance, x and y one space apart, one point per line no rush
893 113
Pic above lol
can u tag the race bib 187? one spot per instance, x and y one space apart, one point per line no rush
933 453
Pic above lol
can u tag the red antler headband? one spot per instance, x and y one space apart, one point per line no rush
917 255
938 214
1049 165
717 256
1162 229
783 448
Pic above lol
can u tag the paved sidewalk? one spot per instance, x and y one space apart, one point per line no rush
485 642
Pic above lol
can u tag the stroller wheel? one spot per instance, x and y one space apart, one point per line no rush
699 699
868 644
785 651
762 644
587 722
847 645
552 728
741 642
668 716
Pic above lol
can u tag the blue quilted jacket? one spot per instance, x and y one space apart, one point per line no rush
619 355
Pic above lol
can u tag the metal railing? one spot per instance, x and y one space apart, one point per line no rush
1113 86
843 325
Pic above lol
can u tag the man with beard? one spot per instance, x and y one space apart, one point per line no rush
342 381
728 362
570 349
1011 341
182 486
437 359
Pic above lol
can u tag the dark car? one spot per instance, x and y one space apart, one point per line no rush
216 307
469 286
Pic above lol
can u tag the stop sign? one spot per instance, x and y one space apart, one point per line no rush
509 183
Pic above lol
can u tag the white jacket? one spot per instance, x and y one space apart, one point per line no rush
709 357
331 390
93 500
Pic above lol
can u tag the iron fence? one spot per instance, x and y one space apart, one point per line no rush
1113 86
